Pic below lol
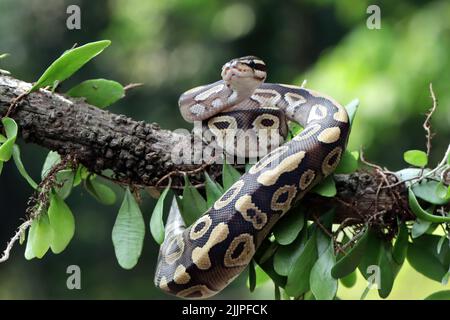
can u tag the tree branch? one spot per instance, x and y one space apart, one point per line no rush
139 153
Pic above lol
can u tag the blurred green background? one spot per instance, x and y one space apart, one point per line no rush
173 45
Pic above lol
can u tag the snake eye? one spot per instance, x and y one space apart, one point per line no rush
252 64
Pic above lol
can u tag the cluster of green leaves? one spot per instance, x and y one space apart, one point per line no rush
54 224
429 250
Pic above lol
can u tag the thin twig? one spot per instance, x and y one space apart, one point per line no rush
22 228
14 102
132 86
427 124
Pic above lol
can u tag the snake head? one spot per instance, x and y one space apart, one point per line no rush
244 74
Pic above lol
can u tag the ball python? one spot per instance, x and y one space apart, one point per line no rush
202 259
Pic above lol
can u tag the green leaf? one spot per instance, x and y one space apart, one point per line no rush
348 263
440 243
419 227
378 254
285 256
327 188
62 223
64 179
409 173
423 256
81 174
261 276
156 221
428 191
52 159
23 172
192 204
439 295
2 138
443 192
128 232
1 166
287 229
213 190
349 280
421 213
389 270
29 254
101 192
11 130
98 92
348 163
229 175
69 62
323 285
299 274
268 268
416 158
351 109
401 245
39 237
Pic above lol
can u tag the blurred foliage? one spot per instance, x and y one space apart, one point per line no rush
174 45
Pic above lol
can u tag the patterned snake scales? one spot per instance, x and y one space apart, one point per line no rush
201 260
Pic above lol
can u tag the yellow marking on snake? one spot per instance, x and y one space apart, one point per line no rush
195 234
226 198
306 179
181 276
245 243
331 160
289 191
317 112
207 93
250 212
341 115
290 163
198 291
176 243
200 255
329 135
267 159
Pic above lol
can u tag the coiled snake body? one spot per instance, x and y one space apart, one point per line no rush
199 261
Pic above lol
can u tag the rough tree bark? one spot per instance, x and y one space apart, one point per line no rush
139 153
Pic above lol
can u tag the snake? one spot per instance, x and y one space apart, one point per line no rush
200 260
